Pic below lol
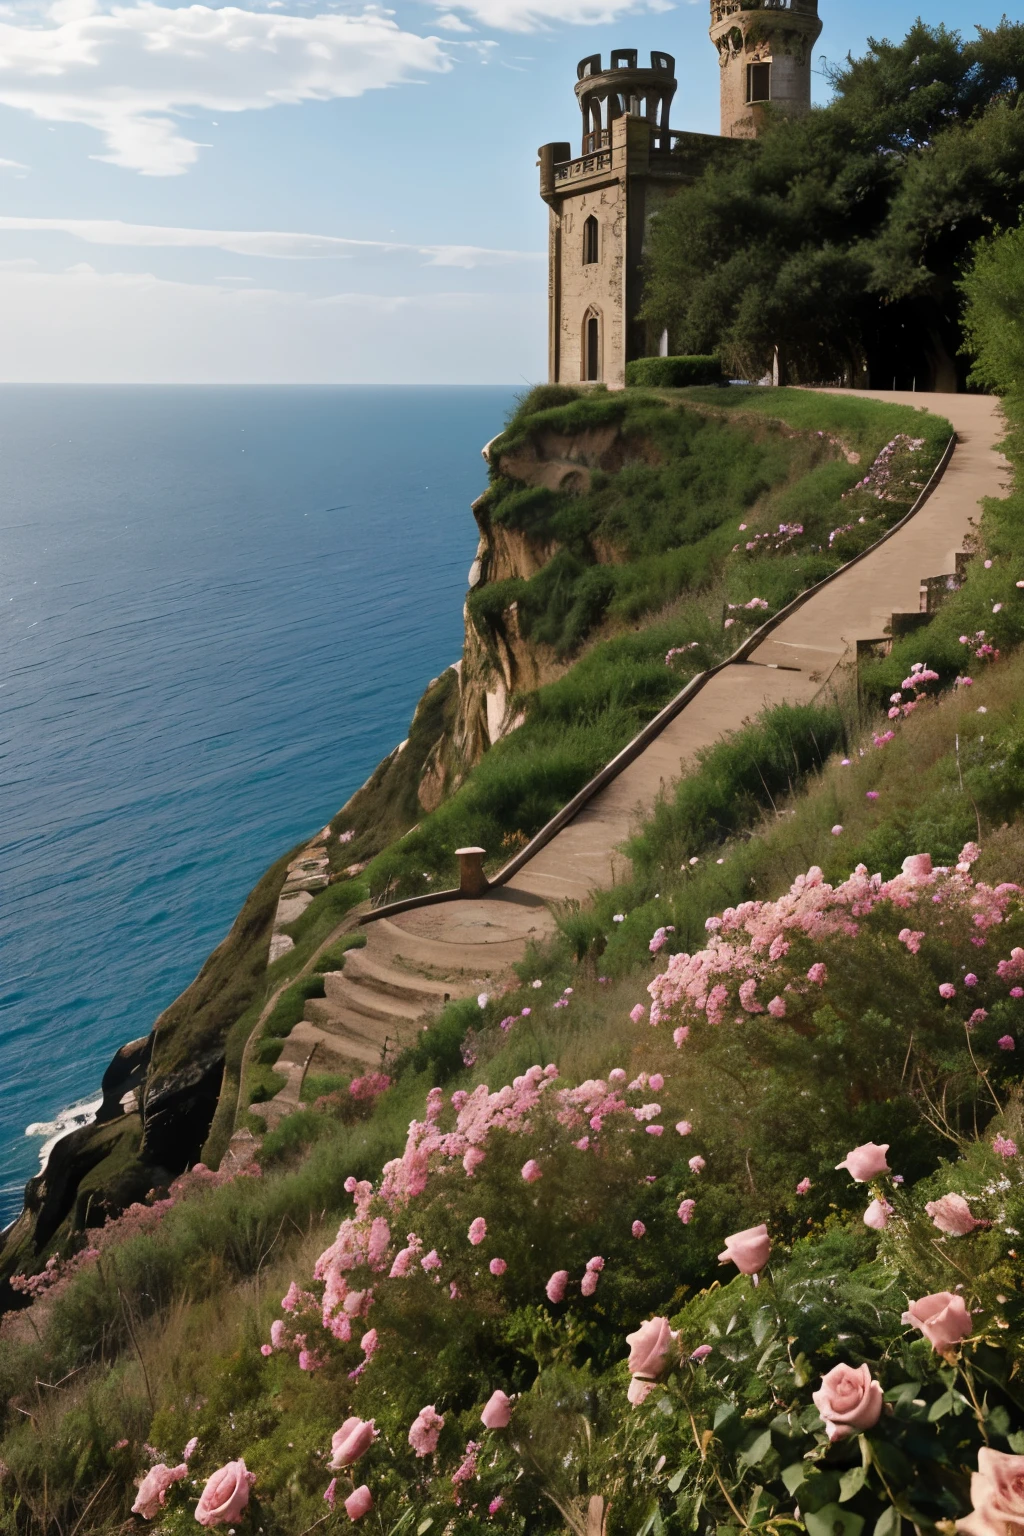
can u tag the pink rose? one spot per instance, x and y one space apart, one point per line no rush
555 1287
748 1250
638 1229
997 1494
359 1503
497 1266
531 1171
777 1007
684 1127
351 1441
152 1494
877 1215
818 974
866 1162
497 1411
638 1014
947 990
918 866
477 1231
803 1186
697 1164
225 1496
588 1285
943 1319
650 1347
686 1210
848 1400
656 1082
952 1214
638 1390
425 1431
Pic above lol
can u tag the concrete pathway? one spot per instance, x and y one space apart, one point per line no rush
416 960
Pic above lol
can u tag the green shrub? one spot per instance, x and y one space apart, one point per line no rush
674 372
291 1006
333 957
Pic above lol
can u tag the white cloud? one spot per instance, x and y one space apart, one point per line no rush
284 244
452 23
540 15
132 72
84 326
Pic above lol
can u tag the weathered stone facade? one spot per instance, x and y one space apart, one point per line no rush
601 203
764 51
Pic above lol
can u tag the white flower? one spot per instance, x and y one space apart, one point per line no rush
620 917
483 1000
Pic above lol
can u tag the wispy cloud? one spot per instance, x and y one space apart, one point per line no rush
542 15
274 244
131 72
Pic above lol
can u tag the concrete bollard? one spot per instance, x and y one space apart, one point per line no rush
472 880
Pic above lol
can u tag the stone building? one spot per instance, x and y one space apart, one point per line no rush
601 202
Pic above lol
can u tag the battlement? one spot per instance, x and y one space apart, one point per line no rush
623 88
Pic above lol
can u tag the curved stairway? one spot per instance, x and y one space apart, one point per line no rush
417 959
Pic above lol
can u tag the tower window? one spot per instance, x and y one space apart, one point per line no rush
590 241
591 348
759 82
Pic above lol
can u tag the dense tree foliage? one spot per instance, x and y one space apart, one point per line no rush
838 237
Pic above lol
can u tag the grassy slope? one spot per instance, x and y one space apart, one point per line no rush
276 1223
671 594
207 1312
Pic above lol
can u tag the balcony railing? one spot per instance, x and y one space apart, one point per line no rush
586 165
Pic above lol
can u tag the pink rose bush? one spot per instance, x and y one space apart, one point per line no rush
747 967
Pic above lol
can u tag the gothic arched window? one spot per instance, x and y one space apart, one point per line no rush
590 241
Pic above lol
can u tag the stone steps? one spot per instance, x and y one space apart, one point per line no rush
391 981
370 1002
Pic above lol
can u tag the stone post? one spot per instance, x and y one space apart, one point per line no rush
472 880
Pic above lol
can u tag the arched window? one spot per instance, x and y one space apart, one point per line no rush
591 369
590 241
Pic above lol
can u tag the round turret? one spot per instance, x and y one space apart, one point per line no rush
605 94
764 50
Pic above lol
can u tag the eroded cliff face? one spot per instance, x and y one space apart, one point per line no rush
498 667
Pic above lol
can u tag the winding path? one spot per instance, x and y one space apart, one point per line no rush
415 959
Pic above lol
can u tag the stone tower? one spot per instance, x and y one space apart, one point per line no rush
600 203
764 50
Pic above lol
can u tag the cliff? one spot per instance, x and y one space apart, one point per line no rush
606 541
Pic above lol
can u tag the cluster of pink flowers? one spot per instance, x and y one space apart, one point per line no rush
679 650
920 676
984 649
135 1221
879 477
773 539
743 959
369 1087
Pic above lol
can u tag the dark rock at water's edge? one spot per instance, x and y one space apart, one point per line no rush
159 1094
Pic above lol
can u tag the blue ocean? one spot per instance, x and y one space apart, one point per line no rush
218 607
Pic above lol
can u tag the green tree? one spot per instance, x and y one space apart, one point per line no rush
994 314
838 237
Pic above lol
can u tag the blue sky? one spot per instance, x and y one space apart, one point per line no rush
311 190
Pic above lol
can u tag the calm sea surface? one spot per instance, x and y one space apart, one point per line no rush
218 608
